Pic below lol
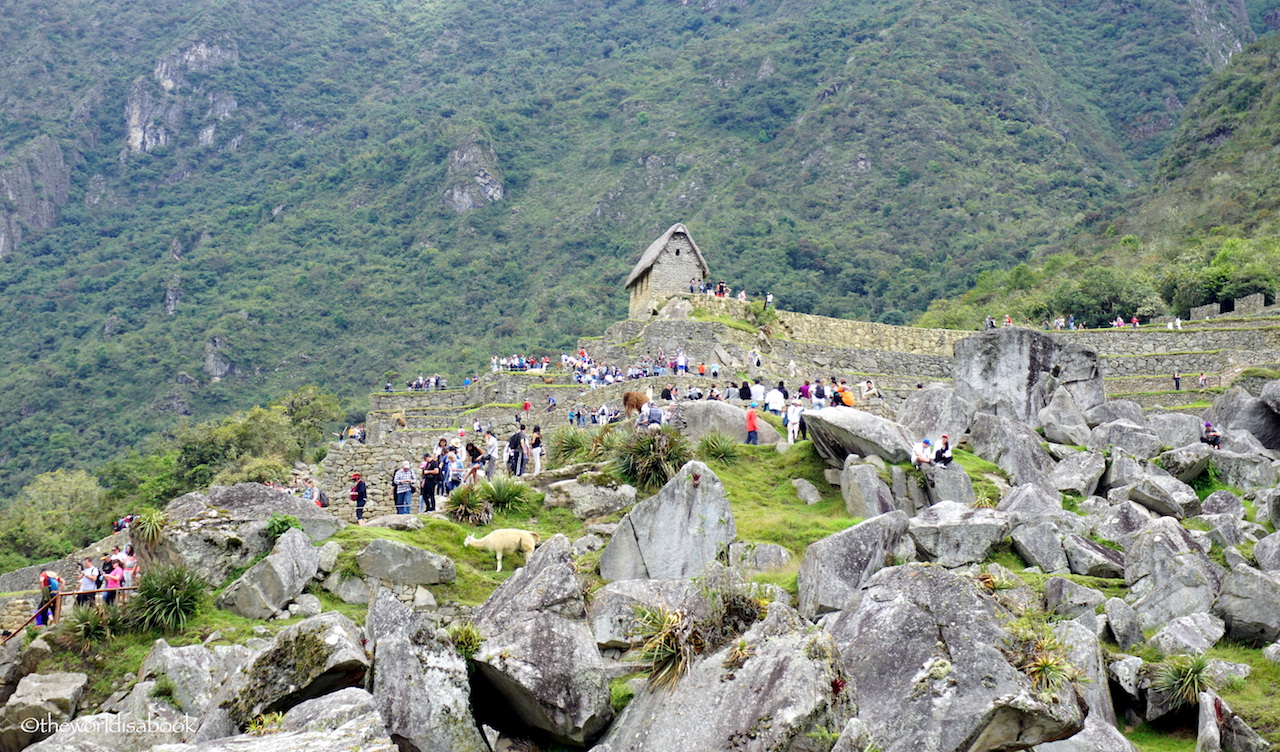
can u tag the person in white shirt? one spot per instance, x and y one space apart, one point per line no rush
922 454
88 583
774 402
757 391
793 420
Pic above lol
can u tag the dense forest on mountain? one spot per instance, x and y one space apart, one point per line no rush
1204 231
207 205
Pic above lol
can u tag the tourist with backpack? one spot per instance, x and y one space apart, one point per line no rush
50 587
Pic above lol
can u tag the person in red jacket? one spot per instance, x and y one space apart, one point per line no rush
753 424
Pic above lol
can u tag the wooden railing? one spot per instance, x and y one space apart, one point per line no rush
50 603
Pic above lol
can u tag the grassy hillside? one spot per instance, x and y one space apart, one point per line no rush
222 202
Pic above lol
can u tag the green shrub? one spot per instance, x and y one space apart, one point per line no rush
164 689
505 492
89 627
278 523
567 444
466 507
149 527
670 639
720 447
166 598
466 639
1183 678
648 459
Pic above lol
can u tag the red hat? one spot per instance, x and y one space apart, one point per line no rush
945 436
355 476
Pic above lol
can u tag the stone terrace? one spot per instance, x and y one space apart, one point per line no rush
1137 364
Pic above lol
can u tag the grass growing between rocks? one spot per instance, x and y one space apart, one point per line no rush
476 576
1257 698
765 506
108 664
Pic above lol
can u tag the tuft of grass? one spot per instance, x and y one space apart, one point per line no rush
167 597
149 527
567 444
466 639
506 492
719 448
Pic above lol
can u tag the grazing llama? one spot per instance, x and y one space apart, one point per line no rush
505 541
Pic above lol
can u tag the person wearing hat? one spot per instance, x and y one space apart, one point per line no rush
753 424
402 484
1211 436
922 454
942 455
793 420
359 495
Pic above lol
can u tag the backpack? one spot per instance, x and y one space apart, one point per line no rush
655 416
324 500
819 392
847 398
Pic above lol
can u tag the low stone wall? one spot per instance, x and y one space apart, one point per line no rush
1189 363
844 332
1249 305
1157 340
377 463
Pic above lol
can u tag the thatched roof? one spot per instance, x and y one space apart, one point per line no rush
655 249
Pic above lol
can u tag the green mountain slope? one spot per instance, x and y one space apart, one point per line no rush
209 203
1204 232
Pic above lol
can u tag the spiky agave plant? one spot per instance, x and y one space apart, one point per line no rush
648 459
721 448
167 597
1183 678
467 507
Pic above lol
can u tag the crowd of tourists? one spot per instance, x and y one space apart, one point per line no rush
108 581
454 463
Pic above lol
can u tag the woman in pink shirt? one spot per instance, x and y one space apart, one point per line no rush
112 576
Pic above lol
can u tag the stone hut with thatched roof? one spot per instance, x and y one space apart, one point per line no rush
664 270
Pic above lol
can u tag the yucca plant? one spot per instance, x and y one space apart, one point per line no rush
467 507
89 627
720 447
1183 678
567 444
604 442
167 597
148 527
504 492
648 459
669 643
1048 670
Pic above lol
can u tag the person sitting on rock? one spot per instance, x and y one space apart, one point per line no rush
1211 436
922 454
942 455
922 459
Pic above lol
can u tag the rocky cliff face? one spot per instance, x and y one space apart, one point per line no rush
155 110
33 187
473 179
